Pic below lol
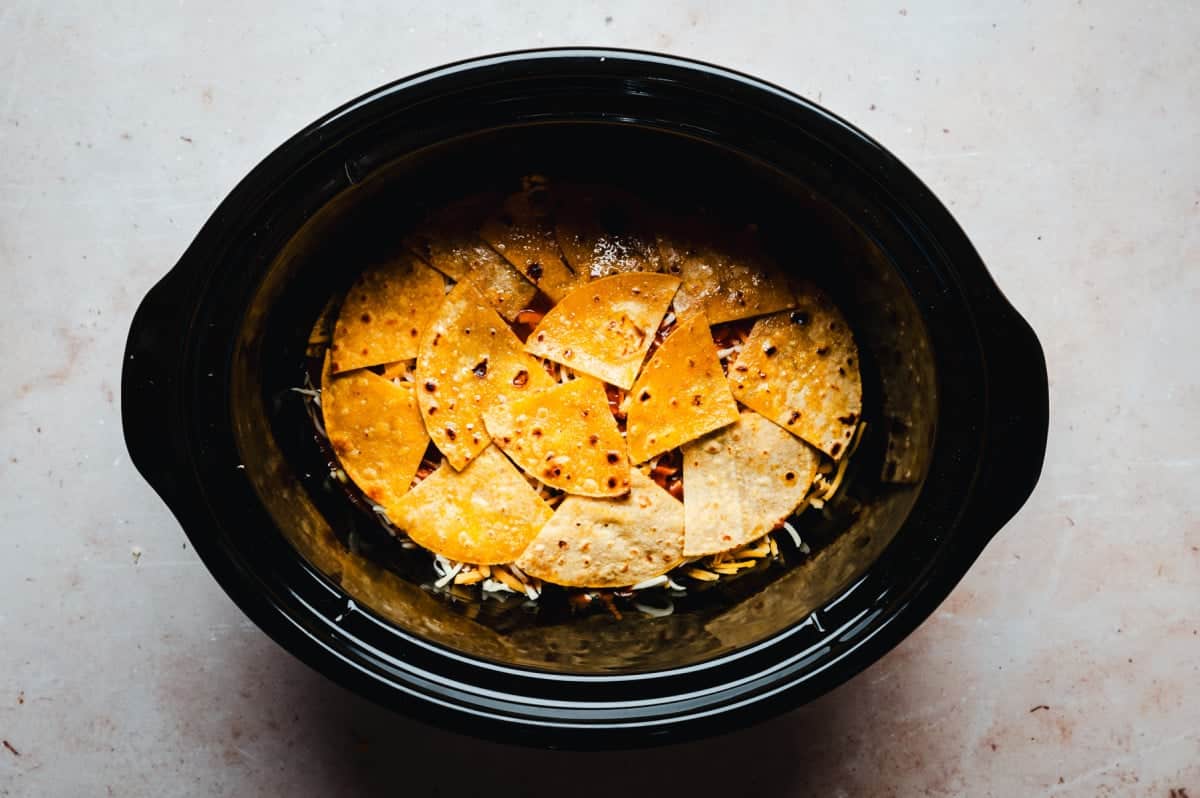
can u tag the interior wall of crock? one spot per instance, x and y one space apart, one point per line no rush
807 235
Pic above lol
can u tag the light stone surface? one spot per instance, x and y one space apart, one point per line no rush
1063 135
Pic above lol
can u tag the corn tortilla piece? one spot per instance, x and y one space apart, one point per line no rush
565 437
712 504
599 231
800 369
485 514
681 394
523 234
605 328
438 237
449 241
604 543
375 429
469 360
501 285
384 314
741 482
728 278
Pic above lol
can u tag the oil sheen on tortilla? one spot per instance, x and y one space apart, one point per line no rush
449 241
523 234
601 231
730 281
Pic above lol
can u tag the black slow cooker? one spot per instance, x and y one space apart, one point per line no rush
955 396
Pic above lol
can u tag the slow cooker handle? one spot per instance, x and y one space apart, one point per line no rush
1018 413
150 386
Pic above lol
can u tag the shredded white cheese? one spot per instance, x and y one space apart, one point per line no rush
791 530
655 612
453 572
651 582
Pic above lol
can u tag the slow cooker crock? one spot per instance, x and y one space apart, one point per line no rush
956 397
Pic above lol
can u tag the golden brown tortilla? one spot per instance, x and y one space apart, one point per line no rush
681 393
799 368
601 231
523 233
566 437
712 500
729 277
741 482
375 429
469 360
384 314
609 542
605 328
449 241
485 514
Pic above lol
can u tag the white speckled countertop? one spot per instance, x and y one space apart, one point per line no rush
1064 137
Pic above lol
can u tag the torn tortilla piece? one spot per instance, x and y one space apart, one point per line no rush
605 328
469 360
605 543
523 234
485 514
681 393
799 368
741 482
449 241
375 429
565 437
728 279
384 314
